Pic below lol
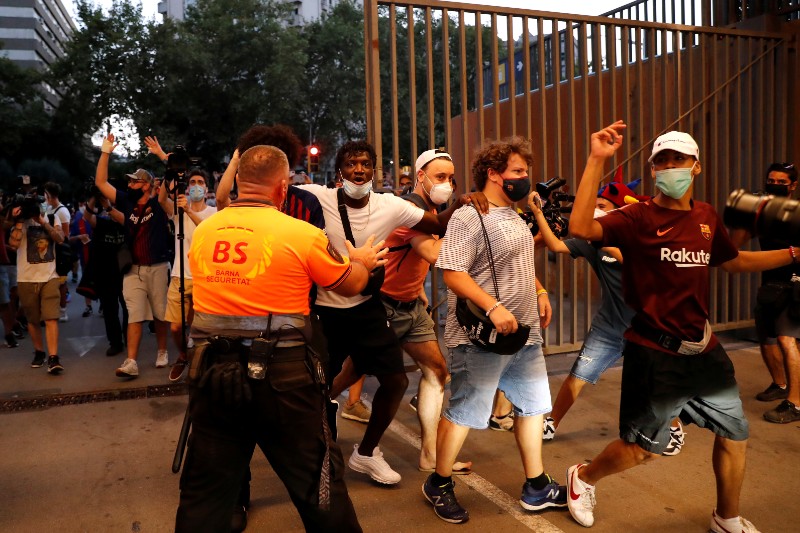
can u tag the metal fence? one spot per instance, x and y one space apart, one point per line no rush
438 75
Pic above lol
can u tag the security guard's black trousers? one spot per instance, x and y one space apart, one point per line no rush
285 420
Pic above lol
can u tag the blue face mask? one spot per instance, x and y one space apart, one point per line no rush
197 193
674 182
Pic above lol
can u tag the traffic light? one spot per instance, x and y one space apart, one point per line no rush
313 159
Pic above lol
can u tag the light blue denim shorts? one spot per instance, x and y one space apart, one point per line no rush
601 349
476 374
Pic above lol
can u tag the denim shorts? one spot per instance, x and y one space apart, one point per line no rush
600 350
477 374
5 284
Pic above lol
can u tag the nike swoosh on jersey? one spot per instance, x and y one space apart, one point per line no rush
662 233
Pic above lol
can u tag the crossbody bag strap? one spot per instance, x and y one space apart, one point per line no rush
491 259
348 232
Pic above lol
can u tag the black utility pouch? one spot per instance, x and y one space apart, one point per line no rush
794 304
257 360
197 366
289 370
774 296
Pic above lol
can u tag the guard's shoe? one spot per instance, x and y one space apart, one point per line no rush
239 519
87 312
176 372
783 414
358 412
129 369
444 502
772 393
11 341
580 498
730 525
54 365
63 317
502 423
162 359
549 428
38 359
552 495
676 439
376 466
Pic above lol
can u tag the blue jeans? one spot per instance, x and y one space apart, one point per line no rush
600 350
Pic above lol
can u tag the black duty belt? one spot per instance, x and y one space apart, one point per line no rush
397 304
657 336
221 346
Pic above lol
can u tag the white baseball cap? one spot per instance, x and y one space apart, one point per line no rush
678 141
429 155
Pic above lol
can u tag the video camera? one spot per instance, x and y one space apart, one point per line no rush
178 162
28 198
552 208
764 215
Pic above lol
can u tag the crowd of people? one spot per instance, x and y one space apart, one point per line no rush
285 294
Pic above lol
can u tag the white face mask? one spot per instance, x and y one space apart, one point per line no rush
439 193
599 213
356 191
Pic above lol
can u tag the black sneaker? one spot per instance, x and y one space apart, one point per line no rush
11 341
38 359
113 350
54 365
18 330
239 519
87 312
444 502
772 393
783 414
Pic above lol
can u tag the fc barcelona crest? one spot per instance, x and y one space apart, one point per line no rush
705 231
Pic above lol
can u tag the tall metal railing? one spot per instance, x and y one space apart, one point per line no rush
438 75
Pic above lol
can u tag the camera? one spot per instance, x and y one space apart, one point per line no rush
178 162
556 203
28 200
763 215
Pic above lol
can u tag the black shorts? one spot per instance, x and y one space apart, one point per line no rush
658 386
364 333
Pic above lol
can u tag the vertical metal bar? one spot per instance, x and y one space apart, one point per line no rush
496 78
667 97
412 85
571 104
557 148
511 75
587 126
611 53
526 78
540 42
373 80
395 105
626 89
429 76
461 173
679 87
447 105
597 54
481 107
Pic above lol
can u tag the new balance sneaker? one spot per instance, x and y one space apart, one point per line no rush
376 466
730 525
63 317
552 495
772 393
11 341
502 423
444 502
54 365
676 438
38 359
580 498
358 412
162 359
176 372
783 414
549 428
129 369
87 312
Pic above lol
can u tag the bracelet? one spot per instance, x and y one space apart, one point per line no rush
793 253
497 304
541 291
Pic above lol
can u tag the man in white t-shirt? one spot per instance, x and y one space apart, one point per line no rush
360 339
194 211
58 214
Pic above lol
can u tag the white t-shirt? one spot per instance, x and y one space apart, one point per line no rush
188 231
381 216
62 215
36 255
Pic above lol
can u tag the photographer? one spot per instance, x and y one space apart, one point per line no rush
58 214
776 326
38 283
143 286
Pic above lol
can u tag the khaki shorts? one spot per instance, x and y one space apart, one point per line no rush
145 291
174 300
40 300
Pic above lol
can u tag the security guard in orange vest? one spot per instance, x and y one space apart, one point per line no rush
254 376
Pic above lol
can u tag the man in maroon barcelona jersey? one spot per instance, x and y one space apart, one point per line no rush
673 363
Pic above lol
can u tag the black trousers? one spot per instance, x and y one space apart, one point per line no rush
284 419
109 292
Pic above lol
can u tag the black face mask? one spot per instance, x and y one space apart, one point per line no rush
134 195
776 189
516 189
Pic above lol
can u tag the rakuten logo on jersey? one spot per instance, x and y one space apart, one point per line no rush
684 258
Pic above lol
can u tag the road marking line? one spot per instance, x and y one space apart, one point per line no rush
488 490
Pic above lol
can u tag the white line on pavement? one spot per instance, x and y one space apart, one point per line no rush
488 490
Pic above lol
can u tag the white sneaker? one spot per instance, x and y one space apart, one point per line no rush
63 317
676 440
730 525
162 359
129 369
580 498
376 466
549 429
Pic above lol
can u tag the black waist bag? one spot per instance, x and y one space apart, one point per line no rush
774 296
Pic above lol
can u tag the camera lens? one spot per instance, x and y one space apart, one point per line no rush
780 218
742 209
